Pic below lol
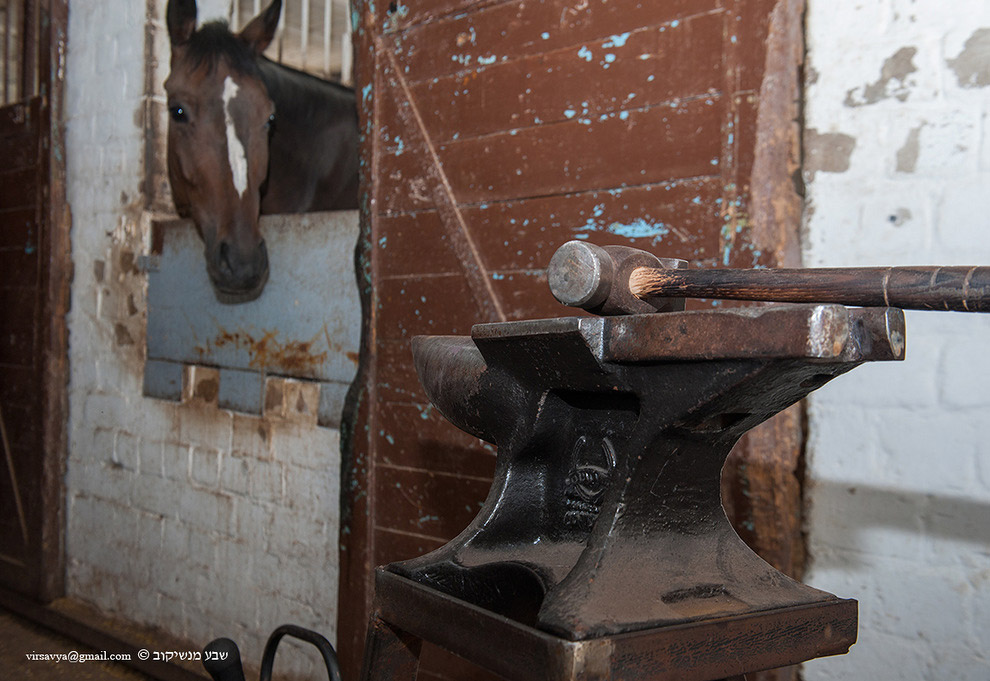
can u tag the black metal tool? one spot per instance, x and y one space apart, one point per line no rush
222 658
622 280
603 545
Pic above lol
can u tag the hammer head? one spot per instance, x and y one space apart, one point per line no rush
596 278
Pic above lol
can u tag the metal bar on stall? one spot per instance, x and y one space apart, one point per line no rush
304 34
346 56
6 51
327 36
29 51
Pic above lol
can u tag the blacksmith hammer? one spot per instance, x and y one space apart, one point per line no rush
614 280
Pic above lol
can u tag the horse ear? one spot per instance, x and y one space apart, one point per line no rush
180 15
260 31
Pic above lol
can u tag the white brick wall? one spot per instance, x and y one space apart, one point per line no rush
899 460
181 516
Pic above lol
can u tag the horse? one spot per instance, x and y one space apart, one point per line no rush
246 137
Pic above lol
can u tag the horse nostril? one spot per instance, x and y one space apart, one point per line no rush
223 259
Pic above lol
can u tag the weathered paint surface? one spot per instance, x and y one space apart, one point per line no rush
303 326
899 492
495 132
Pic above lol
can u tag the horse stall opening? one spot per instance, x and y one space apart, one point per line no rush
227 516
306 325
493 133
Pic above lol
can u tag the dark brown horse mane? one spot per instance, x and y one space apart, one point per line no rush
214 41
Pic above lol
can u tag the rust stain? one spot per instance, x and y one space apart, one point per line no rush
354 357
268 352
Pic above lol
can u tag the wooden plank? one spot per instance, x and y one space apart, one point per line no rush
20 267
417 306
684 142
512 30
399 380
417 436
20 151
404 545
19 188
18 385
427 503
17 343
18 228
642 68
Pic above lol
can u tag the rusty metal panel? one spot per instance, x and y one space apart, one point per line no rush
493 133
305 325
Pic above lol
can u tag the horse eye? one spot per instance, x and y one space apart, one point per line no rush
270 122
178 114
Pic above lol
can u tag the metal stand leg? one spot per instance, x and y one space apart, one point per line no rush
390 654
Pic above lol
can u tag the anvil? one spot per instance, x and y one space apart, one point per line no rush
602 550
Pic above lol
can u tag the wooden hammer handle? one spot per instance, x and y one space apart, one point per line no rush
964 289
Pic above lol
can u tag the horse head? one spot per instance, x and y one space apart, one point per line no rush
220 118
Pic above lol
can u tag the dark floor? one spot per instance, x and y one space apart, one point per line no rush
20 638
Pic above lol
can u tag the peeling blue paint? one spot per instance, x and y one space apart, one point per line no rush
570 113
486 61
545 35
585 54
382 241
617 40
637 229
609 59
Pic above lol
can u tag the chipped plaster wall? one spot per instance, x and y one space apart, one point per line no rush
898 171
181 516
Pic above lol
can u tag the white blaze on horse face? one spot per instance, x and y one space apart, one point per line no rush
235 149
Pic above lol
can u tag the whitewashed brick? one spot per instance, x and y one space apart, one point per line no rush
125 451
204 468
235 475
908 541
266 480
176 458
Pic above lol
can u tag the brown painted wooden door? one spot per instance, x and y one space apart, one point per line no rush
22 232
35 270
494 132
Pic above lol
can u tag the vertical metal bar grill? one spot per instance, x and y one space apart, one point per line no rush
313 35
18 50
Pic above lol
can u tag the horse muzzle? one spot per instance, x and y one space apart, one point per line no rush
237 277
